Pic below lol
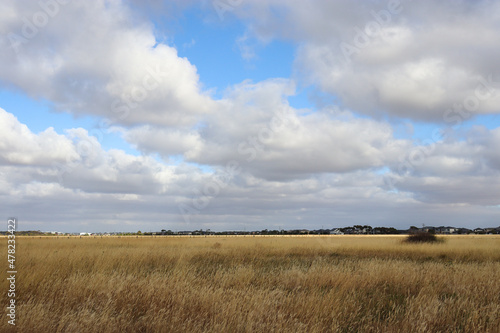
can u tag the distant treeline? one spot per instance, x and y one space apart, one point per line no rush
351 230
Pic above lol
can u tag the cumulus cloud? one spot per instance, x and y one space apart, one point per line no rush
97 58
76 161
167 142
455 170
276 141
406 59
112 190
296 167
19 146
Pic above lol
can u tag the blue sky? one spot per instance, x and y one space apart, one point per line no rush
213 49
176 117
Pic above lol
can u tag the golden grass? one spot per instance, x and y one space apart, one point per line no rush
256 284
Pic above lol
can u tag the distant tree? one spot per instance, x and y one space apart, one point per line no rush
347 230
385 231
139 232
413 229
392 231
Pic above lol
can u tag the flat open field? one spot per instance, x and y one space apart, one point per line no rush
256 284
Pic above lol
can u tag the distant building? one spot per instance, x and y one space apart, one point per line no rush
446 230
336 232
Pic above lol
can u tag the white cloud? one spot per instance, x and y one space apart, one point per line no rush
414 60
276 140
111 190
19 146
77 161
299 167
96 58
245 47
165 141
454 171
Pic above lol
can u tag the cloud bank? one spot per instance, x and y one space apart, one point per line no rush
382 62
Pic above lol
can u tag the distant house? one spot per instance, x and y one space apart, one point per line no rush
446 230
429 229
492 231
336 232
449 230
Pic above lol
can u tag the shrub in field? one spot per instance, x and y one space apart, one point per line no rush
422 237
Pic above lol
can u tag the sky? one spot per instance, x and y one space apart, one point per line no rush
248 115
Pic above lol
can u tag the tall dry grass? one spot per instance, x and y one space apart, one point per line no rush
252 284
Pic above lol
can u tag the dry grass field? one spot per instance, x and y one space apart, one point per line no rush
256 284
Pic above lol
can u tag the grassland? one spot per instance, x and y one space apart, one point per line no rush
256 284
